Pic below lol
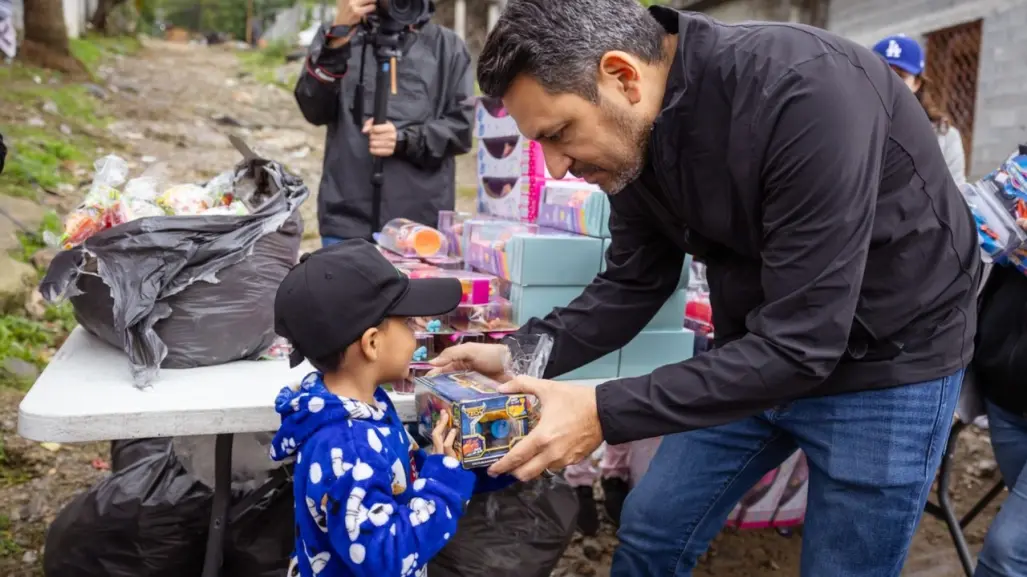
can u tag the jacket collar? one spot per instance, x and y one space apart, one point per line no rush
696 39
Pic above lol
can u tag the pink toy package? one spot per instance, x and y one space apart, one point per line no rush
777 500
511 168
478 288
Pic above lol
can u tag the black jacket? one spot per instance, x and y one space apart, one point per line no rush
432 111
840 255
1000 361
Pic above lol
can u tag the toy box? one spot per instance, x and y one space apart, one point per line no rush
651 349
576 207
478 288
488 422
491 119
997 201
777 500
451 224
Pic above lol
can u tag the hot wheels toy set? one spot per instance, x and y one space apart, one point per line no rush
488 423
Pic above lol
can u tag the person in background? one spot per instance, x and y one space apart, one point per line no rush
3 153
1000 365
614 474
906 58
429 123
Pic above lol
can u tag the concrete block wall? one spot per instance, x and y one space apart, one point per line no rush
1000 117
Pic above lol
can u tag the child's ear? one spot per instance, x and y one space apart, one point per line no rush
370 343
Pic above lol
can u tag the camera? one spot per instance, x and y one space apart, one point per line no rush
394 16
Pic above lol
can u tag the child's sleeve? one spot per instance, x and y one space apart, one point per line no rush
483 483
377 532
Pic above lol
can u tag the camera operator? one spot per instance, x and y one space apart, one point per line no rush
429 121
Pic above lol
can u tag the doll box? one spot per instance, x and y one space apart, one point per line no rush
576 207
488 423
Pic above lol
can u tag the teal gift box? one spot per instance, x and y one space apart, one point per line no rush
652 349
548 258
684 269
539 301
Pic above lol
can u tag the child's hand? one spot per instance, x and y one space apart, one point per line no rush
443 437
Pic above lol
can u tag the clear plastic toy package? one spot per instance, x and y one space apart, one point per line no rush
997 201
488 422
494 316
478 288
410 239
106 206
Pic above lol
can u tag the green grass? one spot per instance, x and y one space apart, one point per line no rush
41 156
94 49
31 341
32 243
263 64
8 546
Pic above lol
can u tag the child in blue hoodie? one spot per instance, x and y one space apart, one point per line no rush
368 500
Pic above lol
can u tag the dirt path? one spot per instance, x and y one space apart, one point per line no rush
174 106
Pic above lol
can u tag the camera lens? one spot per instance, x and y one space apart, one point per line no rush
402 12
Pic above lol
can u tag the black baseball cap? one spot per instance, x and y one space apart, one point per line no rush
335 294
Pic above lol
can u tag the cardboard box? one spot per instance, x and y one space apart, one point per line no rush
488 423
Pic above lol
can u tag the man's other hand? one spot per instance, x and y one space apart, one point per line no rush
381 138
489 360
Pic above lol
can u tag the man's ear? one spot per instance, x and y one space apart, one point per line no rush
370 343
621 72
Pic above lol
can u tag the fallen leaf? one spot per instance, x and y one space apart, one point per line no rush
52 447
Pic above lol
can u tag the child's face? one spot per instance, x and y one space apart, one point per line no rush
398 344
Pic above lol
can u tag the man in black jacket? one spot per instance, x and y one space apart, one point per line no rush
429 123
840 256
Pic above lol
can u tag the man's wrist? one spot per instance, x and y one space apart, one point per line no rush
338 35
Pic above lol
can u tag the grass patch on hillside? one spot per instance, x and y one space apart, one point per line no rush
94 49
264 64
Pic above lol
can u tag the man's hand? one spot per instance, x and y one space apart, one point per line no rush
489 360
567 433
381 137
350 12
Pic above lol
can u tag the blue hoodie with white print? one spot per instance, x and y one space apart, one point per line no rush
368 500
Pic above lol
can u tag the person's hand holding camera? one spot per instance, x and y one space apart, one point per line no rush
381 138
350 13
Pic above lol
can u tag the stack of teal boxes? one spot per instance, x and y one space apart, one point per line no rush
549 265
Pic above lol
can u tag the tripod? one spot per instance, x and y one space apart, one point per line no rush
386 53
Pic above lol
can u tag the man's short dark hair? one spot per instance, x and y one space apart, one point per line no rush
560 43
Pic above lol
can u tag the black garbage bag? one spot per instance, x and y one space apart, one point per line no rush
188 291
521 531
150 518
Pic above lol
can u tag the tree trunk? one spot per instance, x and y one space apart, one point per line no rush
103 10
46 37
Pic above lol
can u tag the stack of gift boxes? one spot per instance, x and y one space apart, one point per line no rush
545 239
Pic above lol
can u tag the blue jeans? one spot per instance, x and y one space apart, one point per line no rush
1005 547
872 458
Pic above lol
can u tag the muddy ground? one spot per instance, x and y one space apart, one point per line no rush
172 106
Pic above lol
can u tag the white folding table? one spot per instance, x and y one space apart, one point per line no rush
86 394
